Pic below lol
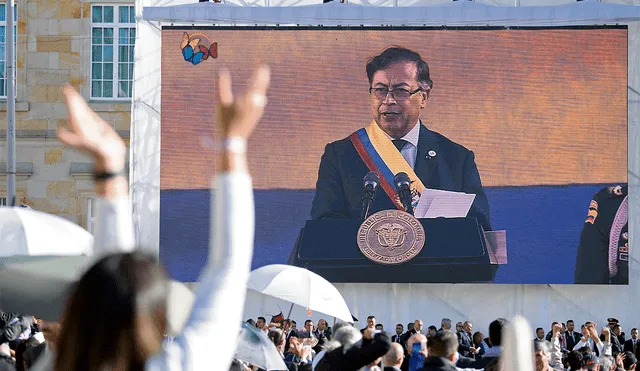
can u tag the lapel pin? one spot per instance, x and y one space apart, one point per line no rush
431 154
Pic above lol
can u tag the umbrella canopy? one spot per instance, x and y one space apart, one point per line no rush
24 231
40 285
255 347
299 286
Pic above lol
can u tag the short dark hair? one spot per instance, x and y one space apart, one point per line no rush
629 360
634 329
443 344
569 321
410 324
308 321
539 328
263 319
294 322
616 326
395 54
432 327
575 360
371 317
399 324
276 336
495 331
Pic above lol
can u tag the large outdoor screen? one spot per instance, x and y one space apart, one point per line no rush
540 112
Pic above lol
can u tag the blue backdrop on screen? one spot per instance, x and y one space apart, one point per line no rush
543 225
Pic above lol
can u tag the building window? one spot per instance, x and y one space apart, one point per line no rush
91 214
113 34
3 46
3 201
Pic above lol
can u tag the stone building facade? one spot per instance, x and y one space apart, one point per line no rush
89 45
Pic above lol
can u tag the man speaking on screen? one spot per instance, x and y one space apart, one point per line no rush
396 141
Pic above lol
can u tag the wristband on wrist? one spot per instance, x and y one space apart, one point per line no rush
235 145
106 175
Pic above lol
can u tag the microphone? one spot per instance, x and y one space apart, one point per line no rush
404 190
371 181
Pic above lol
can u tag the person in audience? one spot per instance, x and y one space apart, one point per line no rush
629 361
616 345
443 351
371 324
417 326
323 329
492 354
574 360
539 334
607 363
432 331
465 344
394 357
591 340
409 326
479 344
445 324
115 317
417 346
307 331
633 345
251 322
348 353
458 327
261 324
572 337
398 336
300 352
542 349
379 327
590 362
549 334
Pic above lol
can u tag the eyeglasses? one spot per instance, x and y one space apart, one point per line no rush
399 94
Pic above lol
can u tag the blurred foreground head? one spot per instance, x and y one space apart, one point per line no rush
116 315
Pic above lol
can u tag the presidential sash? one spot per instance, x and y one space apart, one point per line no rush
380 155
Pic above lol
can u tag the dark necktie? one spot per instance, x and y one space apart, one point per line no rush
635 344
399 143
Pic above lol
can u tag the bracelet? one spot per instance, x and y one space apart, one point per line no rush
235 145
106 175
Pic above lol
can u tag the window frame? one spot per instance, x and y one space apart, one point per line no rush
116 25
3 94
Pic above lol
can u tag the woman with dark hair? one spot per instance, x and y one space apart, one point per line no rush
116 316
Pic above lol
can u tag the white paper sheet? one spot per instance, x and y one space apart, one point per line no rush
436 203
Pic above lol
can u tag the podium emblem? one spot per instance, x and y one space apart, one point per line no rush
391 237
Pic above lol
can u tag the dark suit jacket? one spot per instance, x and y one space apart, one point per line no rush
571 343
356 357
438 364
464 343
397 339
339 188
628 347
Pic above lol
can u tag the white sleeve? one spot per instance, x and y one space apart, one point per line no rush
210 334
580 345
114 227
604 347
556 353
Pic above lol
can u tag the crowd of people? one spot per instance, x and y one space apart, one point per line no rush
431 348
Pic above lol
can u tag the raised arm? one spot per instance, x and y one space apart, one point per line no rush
212 328
88 133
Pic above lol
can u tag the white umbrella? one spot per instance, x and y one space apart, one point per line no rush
299 286
29 232
255 347
40 286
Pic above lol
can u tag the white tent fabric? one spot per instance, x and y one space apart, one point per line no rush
396 303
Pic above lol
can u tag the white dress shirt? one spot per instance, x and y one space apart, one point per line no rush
604 347
219 299
410 150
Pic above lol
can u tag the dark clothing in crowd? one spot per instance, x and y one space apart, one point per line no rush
359 355
6 364
438 364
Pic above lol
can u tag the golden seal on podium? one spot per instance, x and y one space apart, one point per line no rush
391 237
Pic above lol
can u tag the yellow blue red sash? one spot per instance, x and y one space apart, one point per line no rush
380 155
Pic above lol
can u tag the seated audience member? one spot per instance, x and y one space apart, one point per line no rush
492 354
115 317
394 357
479 344
347 353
